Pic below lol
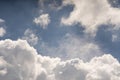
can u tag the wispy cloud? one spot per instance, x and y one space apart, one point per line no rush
2 31
71 46
30 36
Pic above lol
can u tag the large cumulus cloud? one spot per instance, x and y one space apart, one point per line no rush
20 61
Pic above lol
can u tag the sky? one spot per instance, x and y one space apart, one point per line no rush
59 39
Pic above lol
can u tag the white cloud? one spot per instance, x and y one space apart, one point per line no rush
91 14
99 68
30 36
2 31
43 20
2 21
19 58
3 63
19 61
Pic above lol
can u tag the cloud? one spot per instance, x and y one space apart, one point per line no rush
99 68
51 4
91 14
30 36
20 61
71 46
43 20
2 31
2 21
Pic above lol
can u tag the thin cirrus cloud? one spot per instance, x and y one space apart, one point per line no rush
43 20
91 14
20 61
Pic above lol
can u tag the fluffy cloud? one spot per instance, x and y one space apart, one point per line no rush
91 14
43 20
2 31
20 61
30 36
99 68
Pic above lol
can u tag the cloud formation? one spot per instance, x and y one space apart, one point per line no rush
71 46
30 36
91 14
43 20
20 61
2 31
2 21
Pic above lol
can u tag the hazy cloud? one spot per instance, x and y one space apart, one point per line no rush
71 46
30 36
2 31
2 21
